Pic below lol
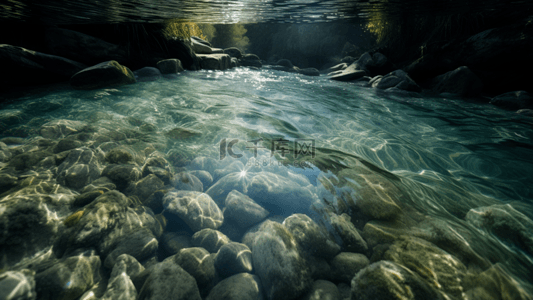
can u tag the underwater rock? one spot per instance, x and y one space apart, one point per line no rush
346 264
120 286
319 267
26 226
199 264
204 163
277 261
145 187
106 74
242 286
79 169
169 66
429 66
281 195
214 61
235 166
196 209
204 176
442 271
344 229
461 81
182 49
387 280
309 72
167 280
523 112
398 79
233 258
69 278
86 198
81 47
234 63
507 223
26 67
159 167
122 175
28 160
233 52
5 154
147 74
323 290
173 242
210 239
185 181
250 60
513 100
495 283
17 285
118 156
140 244
243 210
60 128
7 181
313 238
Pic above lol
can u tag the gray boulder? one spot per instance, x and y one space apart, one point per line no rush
313 238
187 182
120 285
196 209
79 169
461 81
323 290
506 222
17 285
199 264
242 286
147 74
346 264
386 280
513 100
209 239
214 61
347 234
233 258
250 60
396 79
285 62
277 261
140 245
69 278
243 210
106 74
25 67
122 175
170 66
173 242
233 52
81 47
168 281
200 47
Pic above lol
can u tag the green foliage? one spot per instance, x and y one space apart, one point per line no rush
178 28
231 35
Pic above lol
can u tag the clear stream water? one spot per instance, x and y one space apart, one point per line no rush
447 155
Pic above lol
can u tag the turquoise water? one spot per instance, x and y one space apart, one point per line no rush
444 156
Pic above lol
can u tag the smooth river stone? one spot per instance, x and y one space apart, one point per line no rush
233 258
243 210
196 209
